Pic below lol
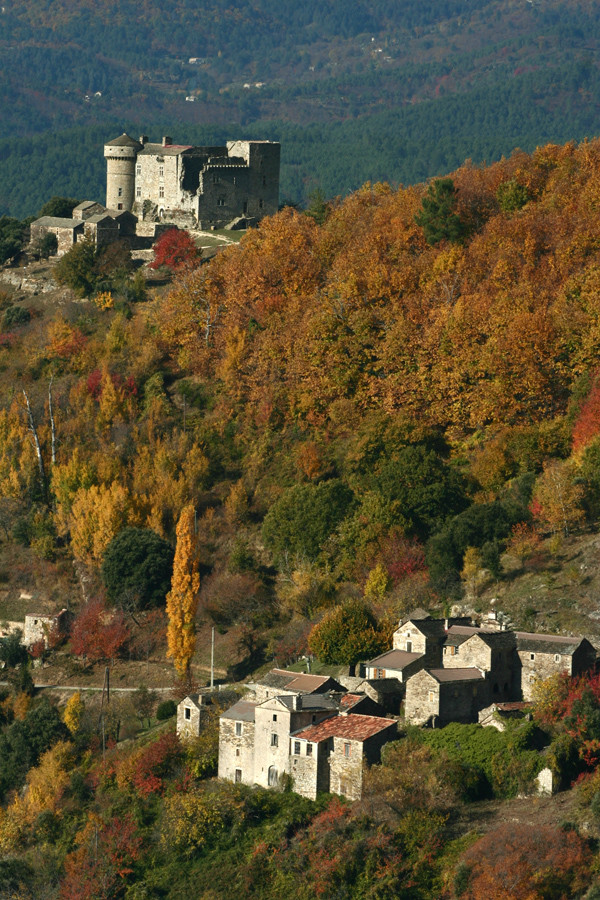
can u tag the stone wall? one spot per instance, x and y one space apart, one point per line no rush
236 750
422 700
346 768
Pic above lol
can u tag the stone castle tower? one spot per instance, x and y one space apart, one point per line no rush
208 187
120 156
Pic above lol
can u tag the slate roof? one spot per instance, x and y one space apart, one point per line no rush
124 141
294 681
352 727
99 218
242 711
308 701
459 674
458 634
429 627
85 204
57 222
547 643
384 685
159 150
394 659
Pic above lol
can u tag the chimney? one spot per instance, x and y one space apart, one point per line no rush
143 139
296 702
167 141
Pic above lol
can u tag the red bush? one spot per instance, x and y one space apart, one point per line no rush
174 249
98 633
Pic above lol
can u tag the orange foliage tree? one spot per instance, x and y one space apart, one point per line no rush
182 599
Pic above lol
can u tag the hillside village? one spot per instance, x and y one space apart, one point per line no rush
297 426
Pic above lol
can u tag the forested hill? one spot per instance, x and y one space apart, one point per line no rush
355 92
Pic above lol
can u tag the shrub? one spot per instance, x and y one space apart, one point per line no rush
165 710
15 316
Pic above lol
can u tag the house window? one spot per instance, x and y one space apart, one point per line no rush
161 171
348 750
238 776
274 740
161 191
309 749
237 751
238 729
274 717
409 646
221 201
474 690
379 673
557 657
273 777
297 748
431 697
260 204
532 656
314 718
138 192
187 713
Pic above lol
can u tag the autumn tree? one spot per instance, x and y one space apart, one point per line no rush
182 599
557 498
346 635
98 633
523 862
176 250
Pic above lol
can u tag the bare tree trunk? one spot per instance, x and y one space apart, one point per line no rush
36 441
52 425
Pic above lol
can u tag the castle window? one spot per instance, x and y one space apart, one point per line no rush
187 713
161 171
138 169
237 751
215 179
221 201
238 728
274 740
238 776
119 206
138 192
161 191
120 192
234 180
274 717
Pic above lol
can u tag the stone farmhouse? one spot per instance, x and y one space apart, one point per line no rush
203 187
93 220
318 741
451 670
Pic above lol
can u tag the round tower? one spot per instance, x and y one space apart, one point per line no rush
121 155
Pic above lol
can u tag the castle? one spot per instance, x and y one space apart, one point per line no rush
205 187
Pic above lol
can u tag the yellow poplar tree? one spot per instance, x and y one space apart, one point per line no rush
182 599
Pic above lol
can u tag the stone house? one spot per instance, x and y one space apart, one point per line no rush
189 716
398 664
542 655
87 208
207 187
67 231
497 715
330 756
236 743
439 696
102 229
259 742
37 627
493 652
280 682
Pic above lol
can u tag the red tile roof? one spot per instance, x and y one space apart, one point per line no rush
352 727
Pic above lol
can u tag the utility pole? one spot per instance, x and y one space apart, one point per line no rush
212 659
